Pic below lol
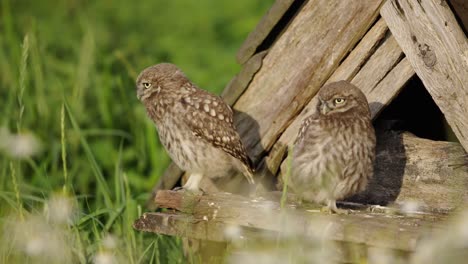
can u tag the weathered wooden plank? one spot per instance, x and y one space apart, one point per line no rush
437 48
263 29
377 77
361 53
427 173
298 63
167 181
378 66
239 83
388 88
183 225
212 216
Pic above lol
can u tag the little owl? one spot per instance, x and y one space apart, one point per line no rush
195 127
334 152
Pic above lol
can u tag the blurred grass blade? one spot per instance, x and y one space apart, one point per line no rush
102 184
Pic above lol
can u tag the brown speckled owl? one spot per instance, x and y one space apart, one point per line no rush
335 149
195 127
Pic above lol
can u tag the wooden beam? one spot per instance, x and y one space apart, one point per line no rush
430 174
297 65
213 216
264 29
241 81
437 48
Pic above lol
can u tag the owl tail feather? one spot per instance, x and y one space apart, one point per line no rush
248 173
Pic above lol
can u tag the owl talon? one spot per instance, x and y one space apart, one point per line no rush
331 208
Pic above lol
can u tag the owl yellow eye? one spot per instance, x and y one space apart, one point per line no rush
339 101
147 85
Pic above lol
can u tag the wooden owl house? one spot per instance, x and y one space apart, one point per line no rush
409 57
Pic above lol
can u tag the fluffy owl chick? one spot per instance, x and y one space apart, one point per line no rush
335 149
195 127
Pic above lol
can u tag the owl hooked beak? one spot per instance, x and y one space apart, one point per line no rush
324 108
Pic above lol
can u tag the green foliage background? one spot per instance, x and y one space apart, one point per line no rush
78 60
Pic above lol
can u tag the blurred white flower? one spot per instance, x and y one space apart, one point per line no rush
410 207
109 242
19 146
449 245
232 232
61 209
105 257
36 238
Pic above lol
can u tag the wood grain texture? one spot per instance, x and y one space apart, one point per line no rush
437 48
361 53
209 216
298 63
433 174
262 30
241 81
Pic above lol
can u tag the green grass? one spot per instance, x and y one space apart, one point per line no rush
67 79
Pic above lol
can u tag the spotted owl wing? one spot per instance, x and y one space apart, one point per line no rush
211 119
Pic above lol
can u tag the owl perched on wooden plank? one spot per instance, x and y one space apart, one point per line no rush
334 152
195 126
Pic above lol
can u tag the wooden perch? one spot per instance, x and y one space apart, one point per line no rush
437 48
215 216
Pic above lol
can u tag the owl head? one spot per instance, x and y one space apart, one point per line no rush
160 77
342 98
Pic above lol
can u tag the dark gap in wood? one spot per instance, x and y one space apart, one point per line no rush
388 34
415 111
281 25
402 55
460 11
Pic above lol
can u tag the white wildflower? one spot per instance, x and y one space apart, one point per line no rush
61 209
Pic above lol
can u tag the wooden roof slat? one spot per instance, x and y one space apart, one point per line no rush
437 48
239 83
262 30
361 53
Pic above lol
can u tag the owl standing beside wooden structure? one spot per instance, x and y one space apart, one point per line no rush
195 127
334 153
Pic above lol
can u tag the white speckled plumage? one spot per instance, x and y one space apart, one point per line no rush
194 126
